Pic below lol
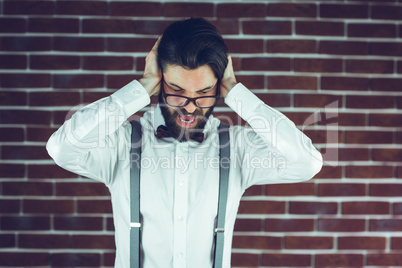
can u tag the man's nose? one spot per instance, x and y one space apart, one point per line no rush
190 107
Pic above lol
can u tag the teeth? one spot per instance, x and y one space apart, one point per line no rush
187 122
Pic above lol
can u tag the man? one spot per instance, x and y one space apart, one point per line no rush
189 69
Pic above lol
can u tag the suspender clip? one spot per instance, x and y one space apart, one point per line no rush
219 230
135 225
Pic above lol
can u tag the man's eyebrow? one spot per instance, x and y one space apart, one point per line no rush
173 84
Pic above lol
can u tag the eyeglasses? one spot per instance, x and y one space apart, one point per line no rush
181 101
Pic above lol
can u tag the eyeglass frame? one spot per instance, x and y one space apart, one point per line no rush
188 99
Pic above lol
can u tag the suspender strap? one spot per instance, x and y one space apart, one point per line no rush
224 163
135 225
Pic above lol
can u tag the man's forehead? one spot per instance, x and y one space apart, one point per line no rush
194 79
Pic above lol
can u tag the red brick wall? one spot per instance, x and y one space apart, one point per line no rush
334 67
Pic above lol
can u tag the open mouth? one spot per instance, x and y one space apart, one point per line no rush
186 120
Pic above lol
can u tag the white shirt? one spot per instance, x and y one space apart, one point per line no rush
179 181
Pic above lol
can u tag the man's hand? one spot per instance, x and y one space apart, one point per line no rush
151 80
229 80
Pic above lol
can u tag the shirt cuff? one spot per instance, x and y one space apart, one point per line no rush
132 98
241 100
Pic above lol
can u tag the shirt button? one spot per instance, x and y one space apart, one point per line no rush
180 219
181 182
137 91
183 149
180 254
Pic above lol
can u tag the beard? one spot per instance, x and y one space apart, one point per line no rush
178 132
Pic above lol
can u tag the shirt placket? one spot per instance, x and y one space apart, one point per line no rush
180 206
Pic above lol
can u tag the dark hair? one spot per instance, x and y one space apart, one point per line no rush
192 43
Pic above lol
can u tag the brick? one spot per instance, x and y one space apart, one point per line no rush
78 223
344 47
111 26
289 225
344 83
49 206
76 259
93 242
252 81
339 260
320 28
275 99
385 120
396 242
90 97
370 66
107 63
12 25
387 259
80 189
24 117
378 189
345 189
365 208
12 170
385 225
109 259
317 208
292 82
255 190
352 119
48 241
110 224
28 152
390 155
25 223
9 206
257 242
48 172
117 81
94 206
7 241
137 9
316 100
361 242
390 12
54 62
83 44
344 11
25 43
271 259
308 242
151 26
341 225
53 25
13 62
353 154
78 81
39 133
82 8
261 207
248 225
266 64
245 259
54 99
292 10
130 44
386 48
227 26
317 65
27 188
24 80
367 137
189 9
267 27
12 98
245 45
234 10
372 30
370 102
387 84
28 7
23 259
291 46
299 189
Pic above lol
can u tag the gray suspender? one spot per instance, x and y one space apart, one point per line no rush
135 225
